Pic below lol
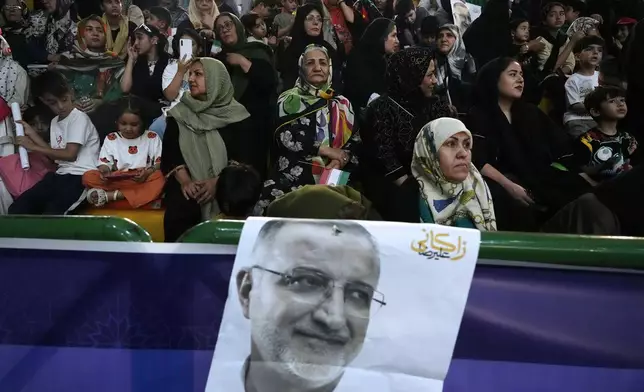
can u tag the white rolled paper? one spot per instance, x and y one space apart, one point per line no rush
17 116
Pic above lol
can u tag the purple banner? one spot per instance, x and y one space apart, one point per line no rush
107 321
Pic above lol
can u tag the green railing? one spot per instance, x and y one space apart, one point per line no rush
87 228
586 251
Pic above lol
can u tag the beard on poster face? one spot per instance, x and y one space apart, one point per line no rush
305 329
305 352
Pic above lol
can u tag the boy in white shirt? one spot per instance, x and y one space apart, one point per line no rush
588 52
74 146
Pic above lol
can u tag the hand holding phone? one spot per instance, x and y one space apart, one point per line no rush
185 49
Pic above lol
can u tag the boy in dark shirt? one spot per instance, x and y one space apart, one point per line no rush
604 152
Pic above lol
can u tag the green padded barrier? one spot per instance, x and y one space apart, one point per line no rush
583 251
87 228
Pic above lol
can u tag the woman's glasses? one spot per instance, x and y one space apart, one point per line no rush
313 19
226 26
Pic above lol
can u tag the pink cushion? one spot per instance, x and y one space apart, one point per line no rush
18 180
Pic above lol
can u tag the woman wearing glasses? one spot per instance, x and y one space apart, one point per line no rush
251 69
308 28
18 30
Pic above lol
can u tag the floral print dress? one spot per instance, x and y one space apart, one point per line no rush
298 162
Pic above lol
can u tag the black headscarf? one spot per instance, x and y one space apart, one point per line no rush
300 39
486 90
288 61
367 65
372 42
405 72
527 146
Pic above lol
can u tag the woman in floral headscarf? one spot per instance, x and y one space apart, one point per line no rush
316 129
452 191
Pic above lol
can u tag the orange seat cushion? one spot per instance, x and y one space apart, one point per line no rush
124 205
149 219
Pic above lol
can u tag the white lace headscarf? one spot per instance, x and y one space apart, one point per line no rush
457 58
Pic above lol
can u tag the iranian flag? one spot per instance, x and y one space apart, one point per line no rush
334 177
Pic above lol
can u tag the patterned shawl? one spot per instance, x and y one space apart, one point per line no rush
457 57
81 59
61 29
334 114
199 122
449 202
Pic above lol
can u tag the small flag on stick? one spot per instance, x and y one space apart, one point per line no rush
334 177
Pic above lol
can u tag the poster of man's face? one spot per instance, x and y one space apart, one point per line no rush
304 298
308 299
464 14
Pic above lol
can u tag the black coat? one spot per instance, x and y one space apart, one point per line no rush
259 99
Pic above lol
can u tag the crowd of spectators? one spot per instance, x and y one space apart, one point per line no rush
394 110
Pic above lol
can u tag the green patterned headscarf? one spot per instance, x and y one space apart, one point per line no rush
304 95
334 119
447 201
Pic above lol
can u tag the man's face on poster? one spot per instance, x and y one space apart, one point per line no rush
319 313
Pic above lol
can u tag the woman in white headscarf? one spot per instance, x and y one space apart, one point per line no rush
455 67
452 191
454 61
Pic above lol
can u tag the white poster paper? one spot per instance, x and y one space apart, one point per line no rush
464 14
343 306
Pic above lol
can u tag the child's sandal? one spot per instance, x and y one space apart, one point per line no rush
101 197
